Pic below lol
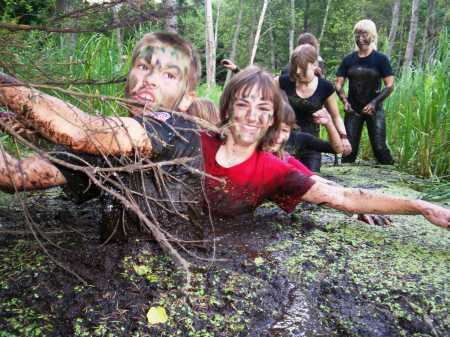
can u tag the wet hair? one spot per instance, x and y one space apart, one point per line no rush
308 38
204 109
287 115
370 27
241 84
176 41
301 56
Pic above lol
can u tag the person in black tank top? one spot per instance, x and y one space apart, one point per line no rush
365 68
307 94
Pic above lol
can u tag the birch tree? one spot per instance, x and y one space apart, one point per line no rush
171 20
210 49
428 34
235 37
292 30
258 31
409 52
324 22
394 26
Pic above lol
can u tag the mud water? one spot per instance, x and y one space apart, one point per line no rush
314 273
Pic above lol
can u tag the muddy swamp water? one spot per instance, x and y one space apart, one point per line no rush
314 273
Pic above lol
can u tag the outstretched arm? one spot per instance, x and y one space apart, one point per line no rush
63 123
27 174
364 201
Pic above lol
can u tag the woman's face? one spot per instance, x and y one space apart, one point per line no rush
363 39
282 137
306 75
251 118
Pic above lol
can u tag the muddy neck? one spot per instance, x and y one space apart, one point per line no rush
365 52
231 154
307 89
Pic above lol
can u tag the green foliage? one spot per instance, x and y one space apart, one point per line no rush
25 11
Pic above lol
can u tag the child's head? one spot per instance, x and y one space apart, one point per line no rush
164 72
250 104
365 32
287 123
308 38
303 63
205 109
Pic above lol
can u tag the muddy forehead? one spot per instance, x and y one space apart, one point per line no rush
154 52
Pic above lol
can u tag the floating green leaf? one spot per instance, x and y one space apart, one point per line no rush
156 315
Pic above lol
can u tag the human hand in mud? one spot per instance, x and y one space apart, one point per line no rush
374 219
437 215
369 109
321 116
9 120
347 147
229 65
347 107
318 71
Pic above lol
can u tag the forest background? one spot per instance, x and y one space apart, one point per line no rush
80 51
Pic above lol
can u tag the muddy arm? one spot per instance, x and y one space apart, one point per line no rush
63 123
364 201
27 174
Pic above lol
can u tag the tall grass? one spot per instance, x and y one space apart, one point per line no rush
418 120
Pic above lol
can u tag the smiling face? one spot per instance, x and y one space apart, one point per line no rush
158 78
363 39
251 117
282 137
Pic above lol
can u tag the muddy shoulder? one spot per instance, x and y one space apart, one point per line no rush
316 272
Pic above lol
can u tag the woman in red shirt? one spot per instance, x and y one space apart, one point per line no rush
241 176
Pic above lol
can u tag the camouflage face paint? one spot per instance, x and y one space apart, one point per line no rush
147 54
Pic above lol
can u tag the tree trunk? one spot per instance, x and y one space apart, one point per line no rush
216 26
171 20
394 26
292 30
325 18
428 34
235 37
258 31
67 41
306 17
210 49
272 50
409 53
251 37
119 32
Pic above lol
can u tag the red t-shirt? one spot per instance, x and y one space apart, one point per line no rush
298 165
243 187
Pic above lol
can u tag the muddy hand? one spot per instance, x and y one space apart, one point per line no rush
369 109
318 71
228 64
347 147
348 107
374 219
9 120
321 116
437 215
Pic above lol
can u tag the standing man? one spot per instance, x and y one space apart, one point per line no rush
365 68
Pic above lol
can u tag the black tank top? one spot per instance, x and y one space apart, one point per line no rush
305 107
